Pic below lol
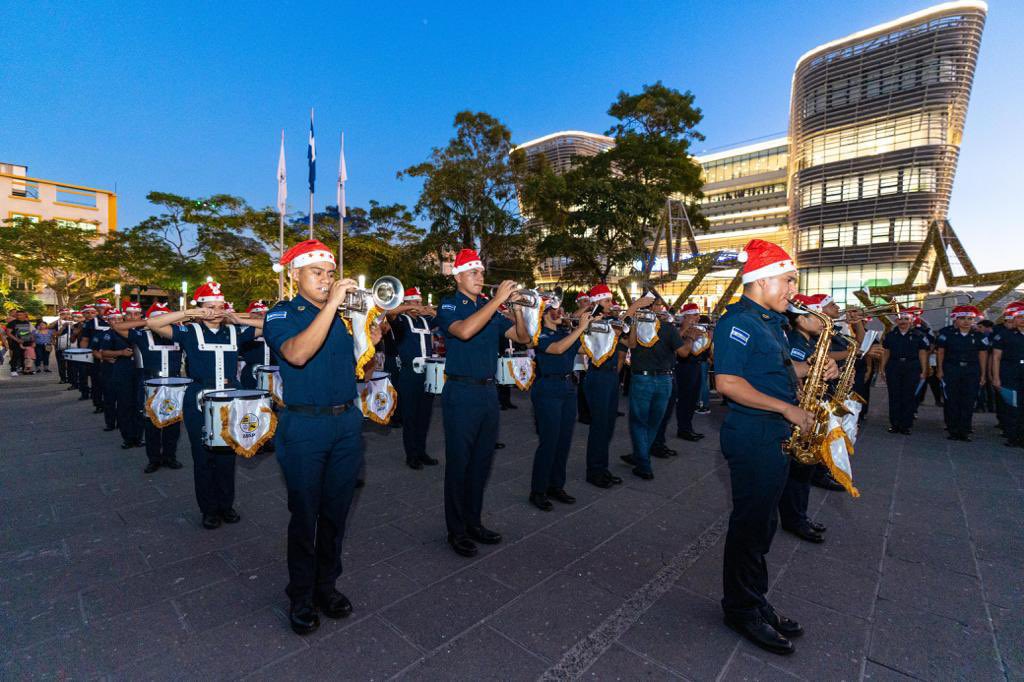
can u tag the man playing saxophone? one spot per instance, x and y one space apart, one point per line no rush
755 372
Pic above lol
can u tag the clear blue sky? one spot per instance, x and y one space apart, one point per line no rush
191 97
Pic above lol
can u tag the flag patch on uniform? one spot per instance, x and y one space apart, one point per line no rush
797 354
276 315
740 336
448 306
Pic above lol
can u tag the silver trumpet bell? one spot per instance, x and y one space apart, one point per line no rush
387 293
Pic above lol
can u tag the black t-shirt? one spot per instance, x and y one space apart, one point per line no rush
21 330
662 355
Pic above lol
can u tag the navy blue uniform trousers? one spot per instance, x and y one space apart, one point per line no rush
320 457
214 471
796 495
961 395
416 406
470 432
120 390
758 469
902 378
554 408
602 391
98 373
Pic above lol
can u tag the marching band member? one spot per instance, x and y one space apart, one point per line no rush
906 365
554 406
472 325
209 336
120 387
85 332
1008 371
961 355
99 370
63 328
412 324
108 363
601 387
583 415
755 372
319 436
688 376
160 358
255 352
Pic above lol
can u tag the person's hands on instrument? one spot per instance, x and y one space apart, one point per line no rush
585 318
505 290
875 352
127 352
854 315
428 311
375 334
798 416
339 290
831 370
200 313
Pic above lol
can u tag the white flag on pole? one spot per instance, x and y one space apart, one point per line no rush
282 181
342 177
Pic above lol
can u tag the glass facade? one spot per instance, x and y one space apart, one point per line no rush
745 165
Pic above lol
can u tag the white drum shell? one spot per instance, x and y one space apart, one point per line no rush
78 355
433 370
212 424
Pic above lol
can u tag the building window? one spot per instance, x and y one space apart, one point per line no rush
868 186
904 132
25 189
80 224
24 216
68 195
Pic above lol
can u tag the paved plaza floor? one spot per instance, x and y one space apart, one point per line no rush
106 572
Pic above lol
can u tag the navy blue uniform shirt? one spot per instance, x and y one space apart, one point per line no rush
550 363
960 347
749 343
904 348
477 357
329 377
1011 362
151 356
800 348
409 340
202 364
111 340
253 353
95 329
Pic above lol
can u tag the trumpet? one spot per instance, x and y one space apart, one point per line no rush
530 298
895 307
385 294
601 326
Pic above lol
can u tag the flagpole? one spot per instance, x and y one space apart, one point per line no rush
280 214
311 155
342 177
311 215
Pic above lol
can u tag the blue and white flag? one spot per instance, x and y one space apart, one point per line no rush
342 177
311 154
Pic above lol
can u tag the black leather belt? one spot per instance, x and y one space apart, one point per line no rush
320 410
654 372
556 376
468 380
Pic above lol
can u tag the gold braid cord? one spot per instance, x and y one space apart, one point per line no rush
225 432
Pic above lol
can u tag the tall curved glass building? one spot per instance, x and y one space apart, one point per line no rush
876 120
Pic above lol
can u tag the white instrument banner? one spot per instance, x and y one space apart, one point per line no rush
275 388
379 400
164 407
647 333
533 318
850 420
599 346
523 371
247 424
359 325
836 451
700 344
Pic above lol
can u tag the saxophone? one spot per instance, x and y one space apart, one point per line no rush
805 445
844 388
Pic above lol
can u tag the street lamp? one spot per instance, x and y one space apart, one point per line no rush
209 278
117 293
362 281
181 299
633 292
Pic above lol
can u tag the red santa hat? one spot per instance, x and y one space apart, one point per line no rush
763 259
804 300
413 294
582 298
1015 309
304 253
257 307
206 293
909 313
823 300
600 292
964 311
131 307
100 302
690 309
113 312
157 309
76 312
467 259
88 308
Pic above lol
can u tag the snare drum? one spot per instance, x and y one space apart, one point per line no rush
263 375
212 401
152 385
78 355
433 369
377 374
504 375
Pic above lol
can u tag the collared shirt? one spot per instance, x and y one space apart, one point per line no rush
152 359
749 342
551 363
329 377
904 347
476 357
662 355
202 365
414 338
1011 362
111 340
95 329
960 347
800 347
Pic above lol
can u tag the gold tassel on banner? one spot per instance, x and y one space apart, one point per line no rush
597 362
654 339
241 450
844 478
155 418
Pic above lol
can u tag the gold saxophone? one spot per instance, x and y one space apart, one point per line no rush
805 445
844 388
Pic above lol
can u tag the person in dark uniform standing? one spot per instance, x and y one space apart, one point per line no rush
803 333
554 406
1008 371
120 386
755 372
601 385
583 302
99 370
472 326
210 337
319 437
159 358
255 352
412 324
73 368
62 329
961 355
109 362
687 377
85 370
905 361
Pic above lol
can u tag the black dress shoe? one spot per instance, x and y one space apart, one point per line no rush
303 618
97 410
414 464
360 482
511 406
691 436
560 495
605 481
659 452
761 634
499 446
127 444
640 473
462 545
109 428
540 501
628 459
211 521
804 532
826 482
620 414
817 527
172 463
427 460
84 397
229 515
333 604
483 535
614 479
893 429
151 467
904 432
787 627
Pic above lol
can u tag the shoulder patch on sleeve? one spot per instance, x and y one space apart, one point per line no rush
276 315
448 306
739 336
797 354
942 337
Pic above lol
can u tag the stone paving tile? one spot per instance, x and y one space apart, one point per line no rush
879 673
530 561
933 549
1009 632
620 663
743 667
945 593
482 654
836 585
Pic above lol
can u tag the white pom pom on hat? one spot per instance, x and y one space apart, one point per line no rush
742 256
